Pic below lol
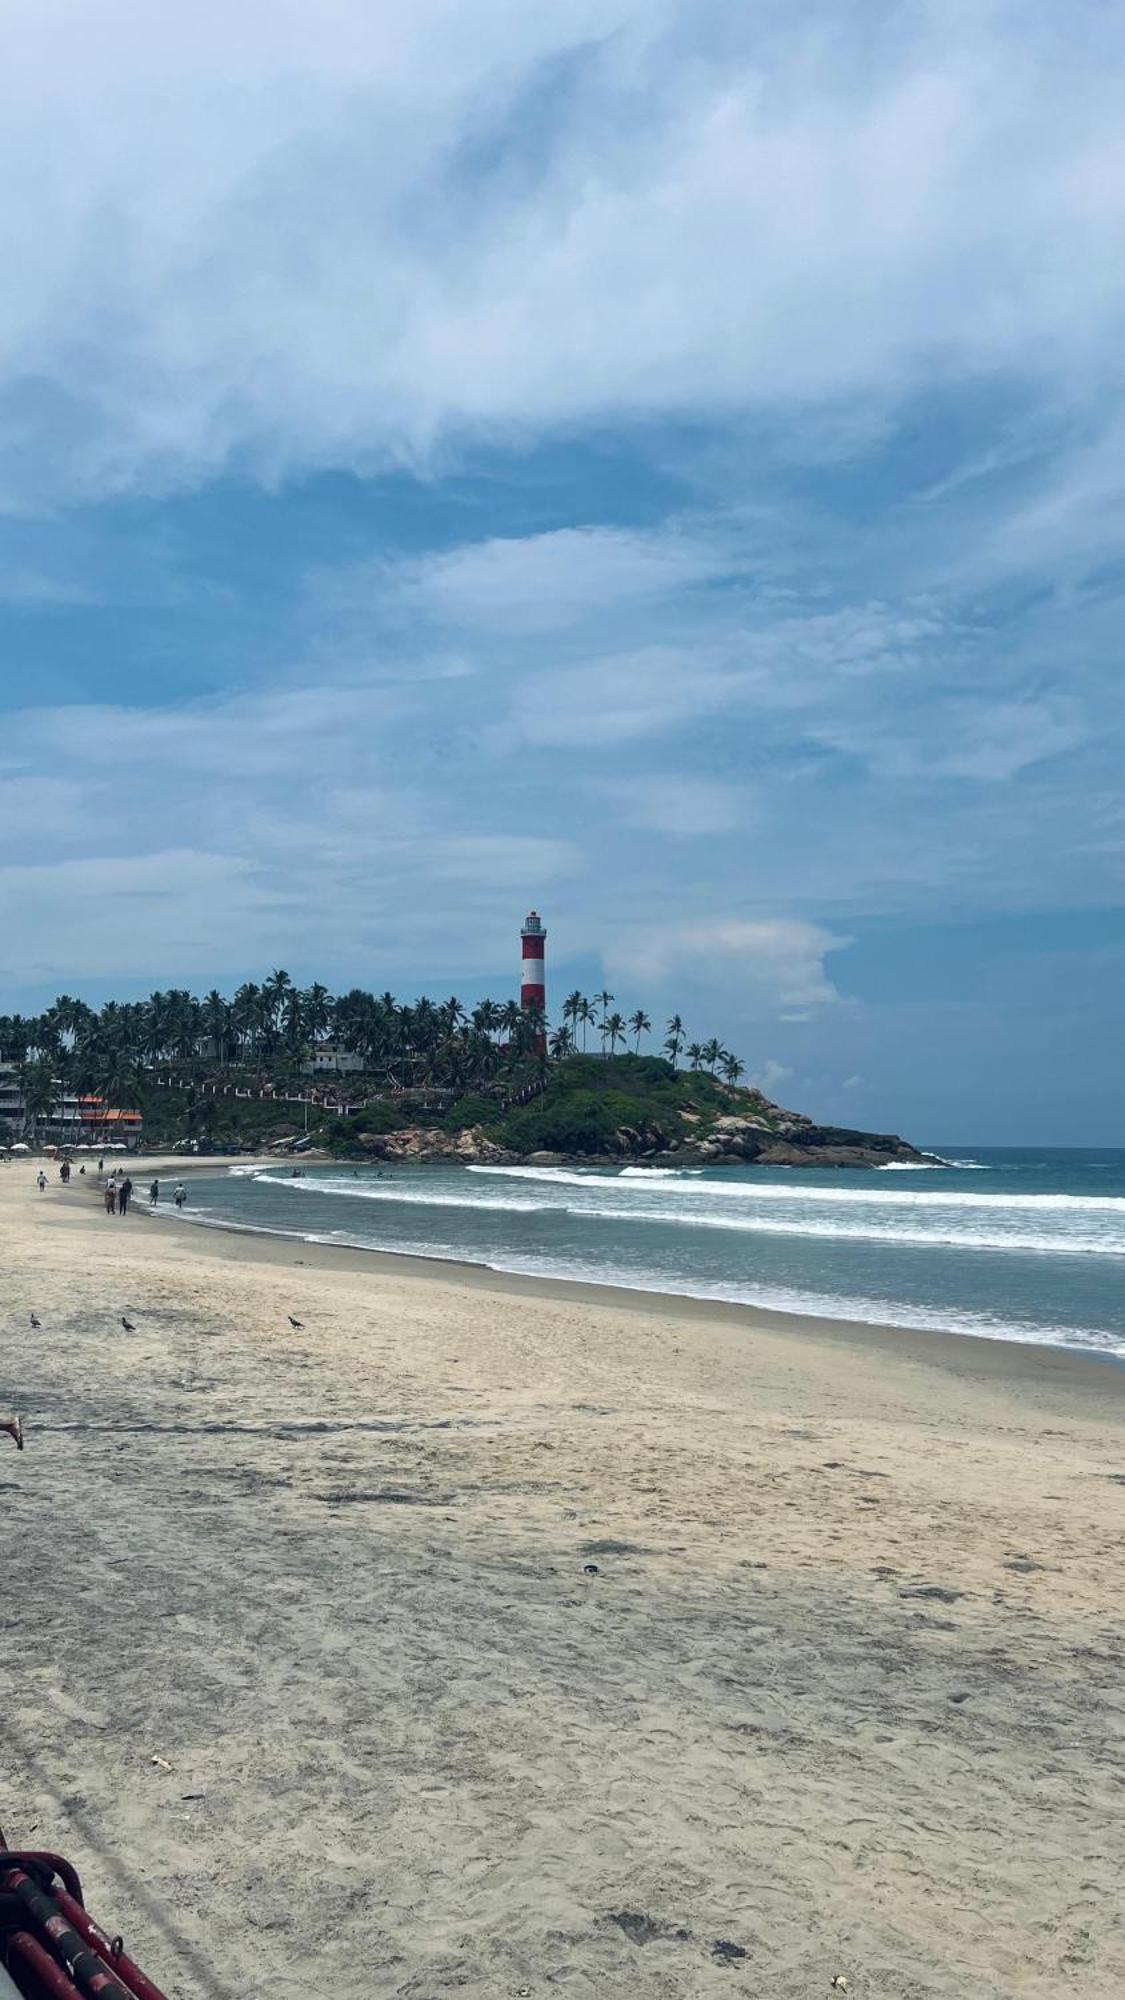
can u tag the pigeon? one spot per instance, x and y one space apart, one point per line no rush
128 1324
14 1428
35 1322
299 1323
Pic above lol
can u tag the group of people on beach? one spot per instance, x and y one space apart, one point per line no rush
117 1191
118 1194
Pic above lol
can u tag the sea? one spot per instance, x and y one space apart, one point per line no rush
1023 1244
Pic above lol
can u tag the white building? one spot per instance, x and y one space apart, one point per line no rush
330 1059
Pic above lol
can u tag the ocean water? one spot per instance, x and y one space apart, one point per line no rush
1020 1244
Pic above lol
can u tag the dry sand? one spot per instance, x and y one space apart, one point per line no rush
844 1695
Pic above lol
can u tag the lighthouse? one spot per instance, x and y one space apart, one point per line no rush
533 968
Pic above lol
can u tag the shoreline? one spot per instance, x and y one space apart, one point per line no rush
987 1357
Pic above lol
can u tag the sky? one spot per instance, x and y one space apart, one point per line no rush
656 460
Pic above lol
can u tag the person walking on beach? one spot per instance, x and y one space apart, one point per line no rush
41 1180
154 1194
124 1195
111 1196
179 1194
64 1172
101 1165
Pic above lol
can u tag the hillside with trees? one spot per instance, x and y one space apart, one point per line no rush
364 1074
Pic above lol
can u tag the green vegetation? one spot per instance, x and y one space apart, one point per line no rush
216 1073
588 1101
581 1107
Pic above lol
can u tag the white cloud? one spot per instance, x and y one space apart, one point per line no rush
770 1076
544 583
667 803
780 959
300 237
261 827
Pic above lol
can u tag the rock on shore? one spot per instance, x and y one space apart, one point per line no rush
731 1141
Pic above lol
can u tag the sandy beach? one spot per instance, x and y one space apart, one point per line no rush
506 1638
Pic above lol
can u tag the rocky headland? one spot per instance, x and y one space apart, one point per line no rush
710 1125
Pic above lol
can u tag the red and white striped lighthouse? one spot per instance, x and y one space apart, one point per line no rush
533 968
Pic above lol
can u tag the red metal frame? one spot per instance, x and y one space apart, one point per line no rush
52 1949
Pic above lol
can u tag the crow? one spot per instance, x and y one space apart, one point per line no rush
14 1428
128 1324
35 1322
298 1323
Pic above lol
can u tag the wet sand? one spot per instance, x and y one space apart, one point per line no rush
507 1636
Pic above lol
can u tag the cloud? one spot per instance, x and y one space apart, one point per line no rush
684 807
231 832
543 583
362 237
780 958
770 1076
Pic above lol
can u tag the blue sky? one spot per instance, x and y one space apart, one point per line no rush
665 463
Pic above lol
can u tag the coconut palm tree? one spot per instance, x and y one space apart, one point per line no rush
639 1024
586 1016
316 1006
712 1051
695 1054
562 1043
217 1024
486 1017
614 1027
674 1039
39 1092
511 1018
731 1067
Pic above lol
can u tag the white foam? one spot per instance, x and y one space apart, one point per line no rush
780 1299
745 1191
395 1191
1041 1225
818 1228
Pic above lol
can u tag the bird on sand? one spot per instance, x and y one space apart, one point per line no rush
14 1428
35 1321
296 1322
128 1324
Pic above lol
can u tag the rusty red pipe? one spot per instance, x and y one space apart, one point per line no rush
50 1975
86 1968
119 1961
28 1857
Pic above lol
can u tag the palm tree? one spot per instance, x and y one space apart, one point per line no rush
639 1024
275 994
562 1043
486 1017
217 1024
585 1015
695 1054
614 1027
38 1090
246 1018
674 1039
731 1067
712 1050
511 1018
316 1006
